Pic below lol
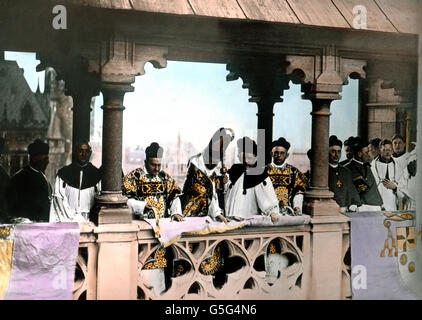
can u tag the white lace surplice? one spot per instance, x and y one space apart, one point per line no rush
260 199
71 204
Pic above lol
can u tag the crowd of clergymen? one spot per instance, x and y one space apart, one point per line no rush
376 176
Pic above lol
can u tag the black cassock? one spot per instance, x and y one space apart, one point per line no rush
340 182
365 183
29 195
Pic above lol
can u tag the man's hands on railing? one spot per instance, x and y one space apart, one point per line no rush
222 218
176 217
274 217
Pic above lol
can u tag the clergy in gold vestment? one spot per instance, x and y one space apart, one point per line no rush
152 195
289 183
204 181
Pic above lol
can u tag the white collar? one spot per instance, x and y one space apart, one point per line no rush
38 171
278 166
34 169
333 165
357 161
150 176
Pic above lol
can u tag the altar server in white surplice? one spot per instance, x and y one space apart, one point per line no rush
75 188
408 185
400 156
386 174
250 194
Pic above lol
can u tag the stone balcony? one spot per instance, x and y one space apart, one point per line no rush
112 256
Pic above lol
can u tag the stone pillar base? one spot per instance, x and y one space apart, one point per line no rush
327 258
320 202
111 208
117 272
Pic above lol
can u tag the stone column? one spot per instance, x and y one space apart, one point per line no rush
327 222
120 62
322 78
266 83
111 200
390 91
382 106
319 200
82 86
265 122
117 275
81 117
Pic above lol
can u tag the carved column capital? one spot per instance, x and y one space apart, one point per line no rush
323 76
121 60
264 78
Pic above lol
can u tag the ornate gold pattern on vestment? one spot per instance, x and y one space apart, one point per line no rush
198 190
213 264
160 260
287 181
5 232
155 190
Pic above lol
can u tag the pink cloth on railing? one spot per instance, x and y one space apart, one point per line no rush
171 231
283 220
43 262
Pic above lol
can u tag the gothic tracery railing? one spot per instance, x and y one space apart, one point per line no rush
85 282
346 290
244 275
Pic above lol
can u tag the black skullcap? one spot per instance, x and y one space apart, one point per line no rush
346 142
334 141
281 142
375 142
154 151
309 154
38 147
357 144
244 144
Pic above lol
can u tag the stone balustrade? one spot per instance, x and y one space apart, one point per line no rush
244 275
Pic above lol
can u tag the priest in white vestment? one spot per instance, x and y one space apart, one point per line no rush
253 194
75 188
248 194
386 174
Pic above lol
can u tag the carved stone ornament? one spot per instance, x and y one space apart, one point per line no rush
324 75
120 61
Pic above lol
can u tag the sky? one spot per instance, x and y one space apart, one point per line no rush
194 99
